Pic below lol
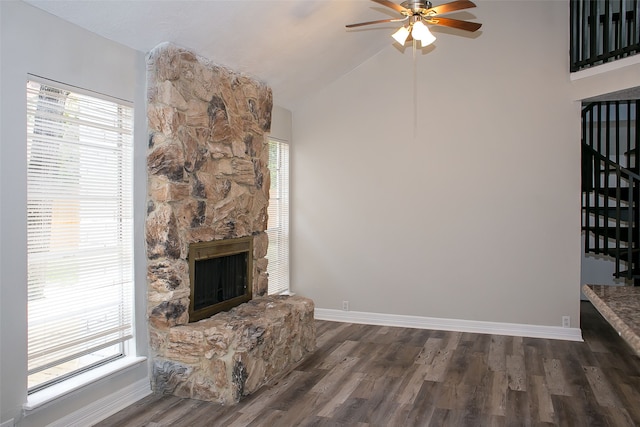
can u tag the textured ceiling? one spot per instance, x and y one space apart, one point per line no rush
295 46
621 95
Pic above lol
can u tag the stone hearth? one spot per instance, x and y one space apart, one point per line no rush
208 180
234 353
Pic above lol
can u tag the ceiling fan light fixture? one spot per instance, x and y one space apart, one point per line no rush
401 35
428 40
422 33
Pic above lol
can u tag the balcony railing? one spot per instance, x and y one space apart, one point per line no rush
603 31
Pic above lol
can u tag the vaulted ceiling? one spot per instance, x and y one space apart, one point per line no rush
296 46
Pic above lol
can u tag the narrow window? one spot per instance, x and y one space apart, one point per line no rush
278 227
79 231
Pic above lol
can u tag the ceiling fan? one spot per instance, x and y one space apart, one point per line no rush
419 13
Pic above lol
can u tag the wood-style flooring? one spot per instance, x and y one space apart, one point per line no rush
383 376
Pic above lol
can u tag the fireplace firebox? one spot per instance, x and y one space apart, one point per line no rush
220 274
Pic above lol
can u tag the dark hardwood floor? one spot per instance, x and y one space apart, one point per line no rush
382 376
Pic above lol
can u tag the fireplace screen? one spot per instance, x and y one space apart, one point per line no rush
221 276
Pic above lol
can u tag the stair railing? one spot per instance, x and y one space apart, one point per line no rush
598 226
603 31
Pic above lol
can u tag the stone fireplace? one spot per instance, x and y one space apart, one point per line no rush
209 188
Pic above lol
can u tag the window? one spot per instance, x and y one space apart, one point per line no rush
278 226
79 231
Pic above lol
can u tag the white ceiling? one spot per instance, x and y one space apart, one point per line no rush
295 46
621 95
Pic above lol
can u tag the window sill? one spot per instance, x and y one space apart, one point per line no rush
56 391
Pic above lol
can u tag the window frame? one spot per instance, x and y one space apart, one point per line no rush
47 390
278 268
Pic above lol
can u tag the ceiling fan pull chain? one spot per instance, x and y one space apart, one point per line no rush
415 89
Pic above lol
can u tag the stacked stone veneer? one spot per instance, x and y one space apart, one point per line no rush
208 180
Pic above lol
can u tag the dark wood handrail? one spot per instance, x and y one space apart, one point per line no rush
611 163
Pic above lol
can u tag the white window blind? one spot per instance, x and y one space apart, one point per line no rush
278 225
79 231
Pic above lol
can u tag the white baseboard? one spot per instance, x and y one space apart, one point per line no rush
456 325
105 407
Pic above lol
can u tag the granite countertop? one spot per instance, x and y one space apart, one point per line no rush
620 306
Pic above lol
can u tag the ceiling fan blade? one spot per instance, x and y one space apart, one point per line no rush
455 23
449 7
380 21
393 6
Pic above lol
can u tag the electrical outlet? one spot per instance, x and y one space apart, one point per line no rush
566 321
345 305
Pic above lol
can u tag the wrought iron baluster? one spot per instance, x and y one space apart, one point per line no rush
603 31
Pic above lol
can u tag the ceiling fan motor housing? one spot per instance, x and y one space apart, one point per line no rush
417 6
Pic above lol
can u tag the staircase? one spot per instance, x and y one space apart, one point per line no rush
611 184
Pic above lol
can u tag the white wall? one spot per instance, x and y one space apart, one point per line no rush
38 43
281 124
474 215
